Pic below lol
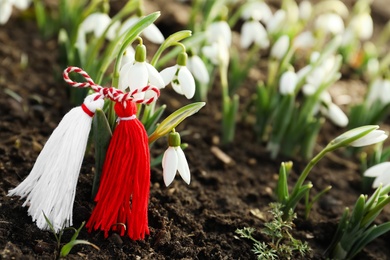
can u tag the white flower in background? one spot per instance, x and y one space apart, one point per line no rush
304 40
174 160
257 10
217 53
372 137
198 69
280 47
362 25
288 82
219 30
320 74
253 32
276 23
330 22
305 10
152 33
180 77
95 23
381 172
332 111
379 91
372 67
6 8
128 56
139 74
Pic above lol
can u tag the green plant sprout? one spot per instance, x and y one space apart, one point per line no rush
281 244
356 229
361 136
65 249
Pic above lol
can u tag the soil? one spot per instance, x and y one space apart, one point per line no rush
186 222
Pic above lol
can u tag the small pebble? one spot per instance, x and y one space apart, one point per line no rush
116 239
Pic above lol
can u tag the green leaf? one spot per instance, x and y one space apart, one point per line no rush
174 119
102 136
282 186
172 40
357 214
67 247
150 124
370 235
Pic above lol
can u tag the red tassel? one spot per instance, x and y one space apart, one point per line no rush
122 199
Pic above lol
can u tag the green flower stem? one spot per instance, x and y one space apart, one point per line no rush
172 40
307 170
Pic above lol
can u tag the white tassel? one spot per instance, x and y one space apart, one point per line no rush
50 187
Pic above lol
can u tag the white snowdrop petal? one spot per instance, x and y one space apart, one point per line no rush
385 93
95 22
177 87
123 76
260 35
128 24
197 67
5 11
288 82
153 34
187 82
330 22
383 179
246 34
112 31
21 4
154 77
168 74
81 44
128 56
182 165
304 40
137 76
373 137
169 164
211 52
377 170
280 48
275 24
308 89
217 30
305 10
337 116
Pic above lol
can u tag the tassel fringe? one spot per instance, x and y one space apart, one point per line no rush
51 185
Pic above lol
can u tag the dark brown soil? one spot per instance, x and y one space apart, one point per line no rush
186 222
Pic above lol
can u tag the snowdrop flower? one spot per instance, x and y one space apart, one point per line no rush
256 10
381 172
333 112
217 53
276 23
95 23
320 74
280 48
305 10
152 33
174 160
288 82
362 25
218 30
253 31
330 22
198 69
304 40
372 137
6 8
139 74
379 91
180 77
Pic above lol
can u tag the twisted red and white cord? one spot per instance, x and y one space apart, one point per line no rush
114 94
